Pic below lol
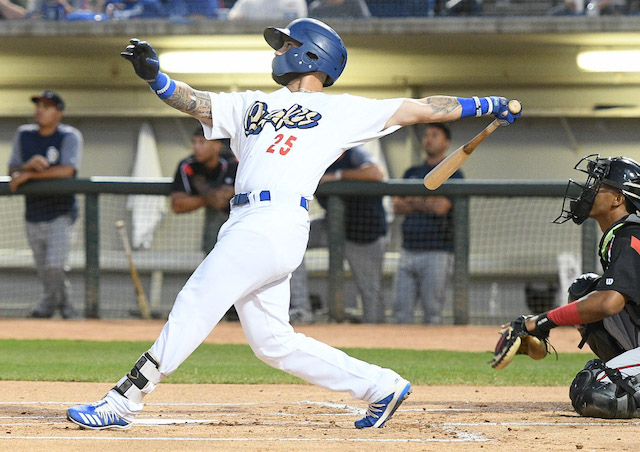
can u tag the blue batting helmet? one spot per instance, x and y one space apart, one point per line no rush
321 50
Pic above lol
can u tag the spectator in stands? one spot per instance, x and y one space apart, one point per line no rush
426 259
339 8
268 10
588 7
10 10
458 7
193 9
403 8
365 234
134 9
48 149
205 179
48 9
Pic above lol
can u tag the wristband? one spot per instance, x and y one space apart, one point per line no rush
475 106
565 315
162 85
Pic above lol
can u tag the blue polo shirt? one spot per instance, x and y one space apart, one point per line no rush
364 216
426 231
64 147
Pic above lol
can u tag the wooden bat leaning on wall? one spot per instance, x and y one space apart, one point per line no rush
143 304
449 165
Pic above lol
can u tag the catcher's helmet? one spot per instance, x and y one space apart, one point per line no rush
321 50
621 173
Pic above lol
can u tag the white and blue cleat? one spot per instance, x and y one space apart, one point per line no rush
97 416
381 411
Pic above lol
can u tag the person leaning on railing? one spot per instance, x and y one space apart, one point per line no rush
48 149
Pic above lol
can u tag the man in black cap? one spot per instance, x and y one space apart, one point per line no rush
48 149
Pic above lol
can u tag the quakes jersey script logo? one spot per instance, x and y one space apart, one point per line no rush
295 117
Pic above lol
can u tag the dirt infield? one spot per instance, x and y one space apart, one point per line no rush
417 337
303 417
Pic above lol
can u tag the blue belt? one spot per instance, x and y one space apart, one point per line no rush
265 195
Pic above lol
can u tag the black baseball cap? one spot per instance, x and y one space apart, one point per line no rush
49 96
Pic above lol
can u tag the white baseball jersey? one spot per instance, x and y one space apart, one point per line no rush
285 141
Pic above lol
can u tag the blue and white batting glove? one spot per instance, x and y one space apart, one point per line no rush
500 107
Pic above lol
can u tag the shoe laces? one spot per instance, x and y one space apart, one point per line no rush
375 410
103 410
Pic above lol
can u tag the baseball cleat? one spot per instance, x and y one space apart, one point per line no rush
381 411
97 416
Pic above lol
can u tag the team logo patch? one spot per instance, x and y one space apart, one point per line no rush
608 281
635 244
294 117
52 154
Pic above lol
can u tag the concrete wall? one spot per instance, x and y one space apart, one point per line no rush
534 148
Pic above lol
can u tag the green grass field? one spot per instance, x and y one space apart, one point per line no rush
89 361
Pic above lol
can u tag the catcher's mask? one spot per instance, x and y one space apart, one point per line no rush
621 173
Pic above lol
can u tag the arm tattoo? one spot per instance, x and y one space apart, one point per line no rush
442 104
190 101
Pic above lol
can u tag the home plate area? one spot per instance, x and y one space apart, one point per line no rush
293 417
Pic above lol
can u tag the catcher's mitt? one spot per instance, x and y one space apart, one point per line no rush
515 340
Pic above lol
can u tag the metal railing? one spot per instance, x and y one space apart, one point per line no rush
460 191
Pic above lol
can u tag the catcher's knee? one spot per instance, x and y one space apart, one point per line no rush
618 399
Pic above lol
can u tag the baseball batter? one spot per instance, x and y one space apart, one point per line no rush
284 141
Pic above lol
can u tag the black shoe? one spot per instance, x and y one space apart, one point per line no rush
69 313
37 314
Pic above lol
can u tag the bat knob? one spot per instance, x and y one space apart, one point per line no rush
514 107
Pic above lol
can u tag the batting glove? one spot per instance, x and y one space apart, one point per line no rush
501 111
144 59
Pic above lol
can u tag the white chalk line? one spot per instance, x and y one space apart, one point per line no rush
154 422
539 424
37 402
463 438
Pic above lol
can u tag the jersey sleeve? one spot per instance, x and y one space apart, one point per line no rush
71 149
180 182
457 175
230 177
226 109
363 119
16 159
360 157
622 273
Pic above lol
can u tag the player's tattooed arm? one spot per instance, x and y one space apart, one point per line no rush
193 102
428 109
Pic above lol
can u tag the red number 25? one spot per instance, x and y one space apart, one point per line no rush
287 144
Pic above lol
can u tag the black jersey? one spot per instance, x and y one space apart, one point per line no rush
620 258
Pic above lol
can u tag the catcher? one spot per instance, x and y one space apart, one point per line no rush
606 309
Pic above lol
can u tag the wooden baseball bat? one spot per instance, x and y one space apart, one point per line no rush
449 165
143 304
